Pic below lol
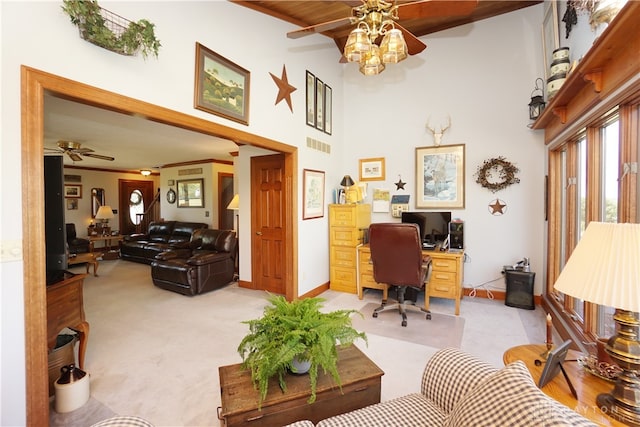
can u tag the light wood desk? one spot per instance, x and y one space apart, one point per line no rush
587 386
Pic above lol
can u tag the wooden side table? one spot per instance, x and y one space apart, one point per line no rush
360 377
587 386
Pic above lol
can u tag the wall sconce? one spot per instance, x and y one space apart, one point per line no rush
536 106
145 172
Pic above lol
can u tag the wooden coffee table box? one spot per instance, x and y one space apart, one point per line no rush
360 377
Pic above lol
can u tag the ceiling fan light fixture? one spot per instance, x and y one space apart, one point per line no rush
358 44
372 62
393 47
145 172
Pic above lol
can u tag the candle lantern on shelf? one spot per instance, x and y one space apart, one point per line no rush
536 106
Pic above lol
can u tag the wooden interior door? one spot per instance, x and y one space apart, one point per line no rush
127 188
268 223
225 194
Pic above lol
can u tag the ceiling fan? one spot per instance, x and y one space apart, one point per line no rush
376 20
75 151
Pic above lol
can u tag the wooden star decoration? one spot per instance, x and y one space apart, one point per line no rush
284 88
497 207
400 184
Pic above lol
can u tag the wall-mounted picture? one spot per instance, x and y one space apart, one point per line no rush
311 99
440 177
221 87
73 191
191 193
328 119
319 104
372 169
313 194
550 34
72 204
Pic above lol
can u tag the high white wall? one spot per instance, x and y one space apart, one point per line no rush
481 74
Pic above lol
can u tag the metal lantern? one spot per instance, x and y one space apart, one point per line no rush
536 106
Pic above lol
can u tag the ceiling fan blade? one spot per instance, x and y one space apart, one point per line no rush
414 45
82 151
436 8
319 28
100 156
75 157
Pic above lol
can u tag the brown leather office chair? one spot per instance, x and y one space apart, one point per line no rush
396 255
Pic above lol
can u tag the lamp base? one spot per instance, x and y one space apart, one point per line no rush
609 405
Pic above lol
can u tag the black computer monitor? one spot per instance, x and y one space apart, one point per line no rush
434 226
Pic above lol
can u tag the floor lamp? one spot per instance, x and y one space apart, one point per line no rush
234 205
604 269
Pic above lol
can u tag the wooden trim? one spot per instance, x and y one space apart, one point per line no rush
196 162
34 83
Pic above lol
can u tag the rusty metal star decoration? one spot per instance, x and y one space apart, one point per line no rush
284 88
497 207
400 184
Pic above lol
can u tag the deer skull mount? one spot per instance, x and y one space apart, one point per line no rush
437 136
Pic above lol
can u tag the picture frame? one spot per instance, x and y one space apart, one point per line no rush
72 204
171 182
553 365
328 110
73 191
311 99
191 193
372 169
440 177
550 34
214 71
313 194
319 104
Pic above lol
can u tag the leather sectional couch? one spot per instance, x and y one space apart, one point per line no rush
160 237
206 263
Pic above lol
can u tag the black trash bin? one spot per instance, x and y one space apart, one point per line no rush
520 289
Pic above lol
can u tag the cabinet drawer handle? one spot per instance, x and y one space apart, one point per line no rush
361 389
257 417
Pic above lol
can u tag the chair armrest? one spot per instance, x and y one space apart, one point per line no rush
167 255
134 237
208 258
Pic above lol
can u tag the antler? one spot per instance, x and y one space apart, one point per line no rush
437 136
442 130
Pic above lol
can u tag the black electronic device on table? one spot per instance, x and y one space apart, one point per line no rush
434 226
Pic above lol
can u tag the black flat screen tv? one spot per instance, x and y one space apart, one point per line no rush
434 226
54 219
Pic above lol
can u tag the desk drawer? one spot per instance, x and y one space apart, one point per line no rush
443 277
441 264
442 290
343 279
345 236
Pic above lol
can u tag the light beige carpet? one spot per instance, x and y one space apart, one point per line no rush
441 331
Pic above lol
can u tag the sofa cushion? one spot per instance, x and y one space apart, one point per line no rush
410 410
160 231
510 397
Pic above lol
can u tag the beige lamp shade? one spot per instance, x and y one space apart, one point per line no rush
604 267
234 204
104 212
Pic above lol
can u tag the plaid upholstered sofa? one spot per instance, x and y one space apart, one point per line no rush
460 390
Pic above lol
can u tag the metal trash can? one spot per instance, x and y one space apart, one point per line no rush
520 289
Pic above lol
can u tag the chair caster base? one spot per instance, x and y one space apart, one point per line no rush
404 323
375 314
429 316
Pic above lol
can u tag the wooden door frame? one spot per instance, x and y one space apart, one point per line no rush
34 84
220 191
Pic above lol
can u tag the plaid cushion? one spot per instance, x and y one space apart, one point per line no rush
125 421
510 397
303 423
409 410
450 374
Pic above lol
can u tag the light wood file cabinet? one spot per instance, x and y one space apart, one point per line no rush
347 224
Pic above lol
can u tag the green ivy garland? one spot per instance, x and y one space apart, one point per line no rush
505 170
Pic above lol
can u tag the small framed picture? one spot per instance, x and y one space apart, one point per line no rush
73 191
319 104
171 182
328 95
311 99
72 204
372 169
313 194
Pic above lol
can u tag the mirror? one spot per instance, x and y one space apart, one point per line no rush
97 200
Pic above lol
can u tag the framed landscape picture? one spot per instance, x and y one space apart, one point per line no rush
190 193
372 169
440 177
221 87
313 194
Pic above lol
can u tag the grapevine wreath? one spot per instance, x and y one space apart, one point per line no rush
504 169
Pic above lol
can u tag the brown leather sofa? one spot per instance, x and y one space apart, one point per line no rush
160 237
208 263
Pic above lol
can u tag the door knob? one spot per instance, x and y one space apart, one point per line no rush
259 233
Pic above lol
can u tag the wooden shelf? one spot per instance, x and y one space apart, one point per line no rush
611 62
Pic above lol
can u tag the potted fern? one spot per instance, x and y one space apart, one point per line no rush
297 330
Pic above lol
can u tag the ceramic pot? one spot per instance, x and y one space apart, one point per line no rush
299 366
560 53
560 66
554 83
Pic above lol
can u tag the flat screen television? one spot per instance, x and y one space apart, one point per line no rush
434 226
54 219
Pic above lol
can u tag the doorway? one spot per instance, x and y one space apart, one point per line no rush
34 84
135 197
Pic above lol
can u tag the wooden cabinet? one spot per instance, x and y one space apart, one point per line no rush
446 277
347 224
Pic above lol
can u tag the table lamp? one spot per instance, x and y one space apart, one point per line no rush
604 269
104 214
234 205
347 182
